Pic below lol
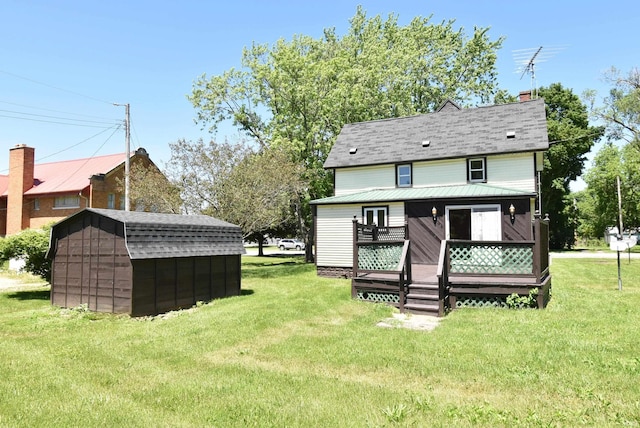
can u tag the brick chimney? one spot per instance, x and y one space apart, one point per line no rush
21 159
525 95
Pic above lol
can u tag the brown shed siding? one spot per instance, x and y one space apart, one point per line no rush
92 266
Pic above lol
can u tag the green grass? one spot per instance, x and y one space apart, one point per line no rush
295 350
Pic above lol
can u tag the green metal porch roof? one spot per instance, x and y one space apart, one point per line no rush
477 190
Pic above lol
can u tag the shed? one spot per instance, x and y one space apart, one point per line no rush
141 263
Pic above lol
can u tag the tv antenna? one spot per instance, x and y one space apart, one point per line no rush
526 59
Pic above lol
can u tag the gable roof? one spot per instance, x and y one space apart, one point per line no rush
72 175
158 235
476 190
448 133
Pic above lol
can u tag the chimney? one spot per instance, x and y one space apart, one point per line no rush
21 160
525 95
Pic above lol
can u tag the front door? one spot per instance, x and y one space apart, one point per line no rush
477 222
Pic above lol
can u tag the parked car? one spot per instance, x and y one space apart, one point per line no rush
291 244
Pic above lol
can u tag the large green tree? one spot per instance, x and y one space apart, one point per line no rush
298 94
254 188
571 138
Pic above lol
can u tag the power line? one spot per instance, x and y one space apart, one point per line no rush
50 121
55 87
55 111
59 117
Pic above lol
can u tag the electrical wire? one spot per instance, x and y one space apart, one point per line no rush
57 117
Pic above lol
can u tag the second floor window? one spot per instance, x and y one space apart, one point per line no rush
66 202
477 170
375 216
403 173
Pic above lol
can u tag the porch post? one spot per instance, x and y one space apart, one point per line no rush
354 261
537 271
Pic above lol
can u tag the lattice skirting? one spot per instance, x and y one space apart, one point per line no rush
481 302
377 296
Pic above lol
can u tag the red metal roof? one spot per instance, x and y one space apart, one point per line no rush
72 175
4 184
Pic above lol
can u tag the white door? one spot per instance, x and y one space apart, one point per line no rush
475 222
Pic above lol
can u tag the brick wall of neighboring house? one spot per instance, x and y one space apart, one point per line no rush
46 213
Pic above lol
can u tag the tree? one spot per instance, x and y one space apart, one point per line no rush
298 94
150 189
30 245
571 138
255 189
612 162
621 108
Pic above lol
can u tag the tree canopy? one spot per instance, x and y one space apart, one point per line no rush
571 138
298 94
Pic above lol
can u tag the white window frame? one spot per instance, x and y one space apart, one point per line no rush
471 170
66 202
400 176
375 212
474 209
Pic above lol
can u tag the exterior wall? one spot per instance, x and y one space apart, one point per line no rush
91 265
161 285
351 180
3 216
334 232
513 171
47 214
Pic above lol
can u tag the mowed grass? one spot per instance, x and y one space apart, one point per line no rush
295 350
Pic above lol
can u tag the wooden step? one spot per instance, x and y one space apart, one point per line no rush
423 309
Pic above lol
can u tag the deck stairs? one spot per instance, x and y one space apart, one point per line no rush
423 298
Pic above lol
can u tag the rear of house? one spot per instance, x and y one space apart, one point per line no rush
454 175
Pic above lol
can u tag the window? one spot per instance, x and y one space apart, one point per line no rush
477 170
62 202
403 175
121 202
375 215
111 201
36 204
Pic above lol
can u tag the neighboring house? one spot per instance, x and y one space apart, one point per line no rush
33 195
453 177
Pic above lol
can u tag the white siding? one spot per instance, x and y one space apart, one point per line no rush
515 171
351 180
334 239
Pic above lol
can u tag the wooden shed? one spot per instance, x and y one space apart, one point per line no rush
141 263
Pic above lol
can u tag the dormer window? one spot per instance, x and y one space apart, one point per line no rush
403 175
477 170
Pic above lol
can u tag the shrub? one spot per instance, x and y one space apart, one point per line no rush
31 245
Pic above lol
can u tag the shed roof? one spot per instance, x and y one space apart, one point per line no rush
157 235
476 190
448 133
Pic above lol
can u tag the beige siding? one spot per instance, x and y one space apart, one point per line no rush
351 180
453 171
334 240
515 171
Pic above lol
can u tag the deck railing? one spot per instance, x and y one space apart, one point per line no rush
382 254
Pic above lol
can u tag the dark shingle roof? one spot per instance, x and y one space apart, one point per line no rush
450 132
155 235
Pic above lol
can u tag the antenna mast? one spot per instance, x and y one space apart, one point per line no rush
531 69
527 59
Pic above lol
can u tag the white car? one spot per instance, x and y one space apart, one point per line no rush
290 244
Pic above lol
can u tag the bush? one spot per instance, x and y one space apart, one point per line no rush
31 245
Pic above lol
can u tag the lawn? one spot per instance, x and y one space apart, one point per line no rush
295 350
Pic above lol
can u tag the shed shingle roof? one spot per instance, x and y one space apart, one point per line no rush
450 132
477 190
156 235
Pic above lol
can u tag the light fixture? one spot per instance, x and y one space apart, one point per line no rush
512 213
434 214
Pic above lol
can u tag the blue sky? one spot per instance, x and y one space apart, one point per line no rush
74 58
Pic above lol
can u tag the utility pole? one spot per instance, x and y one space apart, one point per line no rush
127 138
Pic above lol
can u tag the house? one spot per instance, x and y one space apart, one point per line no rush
33 195
438 210
141 263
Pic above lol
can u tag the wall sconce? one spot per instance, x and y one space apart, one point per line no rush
434 214
512 213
